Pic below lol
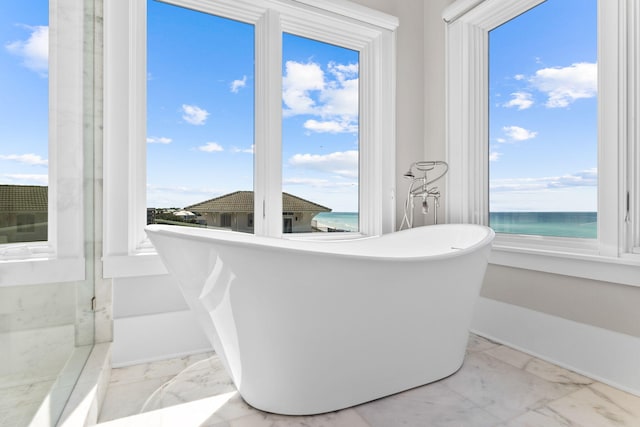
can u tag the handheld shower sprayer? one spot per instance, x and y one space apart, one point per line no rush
419 187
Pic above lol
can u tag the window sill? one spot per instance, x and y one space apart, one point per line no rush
35 271
580 261
140 264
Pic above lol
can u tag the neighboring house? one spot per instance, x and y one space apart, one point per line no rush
235 211
23 213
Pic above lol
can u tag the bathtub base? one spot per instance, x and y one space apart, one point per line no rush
327 402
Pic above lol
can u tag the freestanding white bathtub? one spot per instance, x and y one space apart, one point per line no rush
306 327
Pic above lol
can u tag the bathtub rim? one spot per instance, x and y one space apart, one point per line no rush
310 246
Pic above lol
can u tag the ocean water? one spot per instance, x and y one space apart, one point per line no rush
558 224
343 221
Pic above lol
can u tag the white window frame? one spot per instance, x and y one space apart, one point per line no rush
372 33
61 257
610 257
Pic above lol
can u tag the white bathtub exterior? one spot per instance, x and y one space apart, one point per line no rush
307 327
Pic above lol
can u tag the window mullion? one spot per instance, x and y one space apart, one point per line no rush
268 126
66 132
632 190
467 127
611 127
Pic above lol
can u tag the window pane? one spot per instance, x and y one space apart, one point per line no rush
319 136
24 117
200 119
543 121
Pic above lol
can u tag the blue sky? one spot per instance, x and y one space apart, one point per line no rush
543 109
543 120
24 87
200 112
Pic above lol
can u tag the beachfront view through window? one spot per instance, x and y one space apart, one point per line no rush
320 133
200 125
24 117
200 117
543 135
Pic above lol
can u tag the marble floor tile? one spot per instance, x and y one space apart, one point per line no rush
543 417
344 418
18 404
497 386
599 406
502 389
123 400
201 380
195 413
159 369
23 395
627 402
431 405
535 366
478 343
19 416
509 355
555 374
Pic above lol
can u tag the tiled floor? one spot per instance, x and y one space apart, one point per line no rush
497 386
19 403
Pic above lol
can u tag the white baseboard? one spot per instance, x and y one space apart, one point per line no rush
606 356
152 337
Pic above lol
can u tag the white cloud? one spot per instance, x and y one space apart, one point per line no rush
236 85
564 85
586 178
313 182
519 77
158 140
298 81
29 159
494 156
331 96
332 126
516 133
211 147
27 179
319 183
34 51
342 163
340 99
178 196
194 115
343 71
522 100
249 150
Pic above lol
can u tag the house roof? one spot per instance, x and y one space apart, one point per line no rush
242 201
23 198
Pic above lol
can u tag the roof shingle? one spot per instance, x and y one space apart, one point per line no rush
242 201
23 198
